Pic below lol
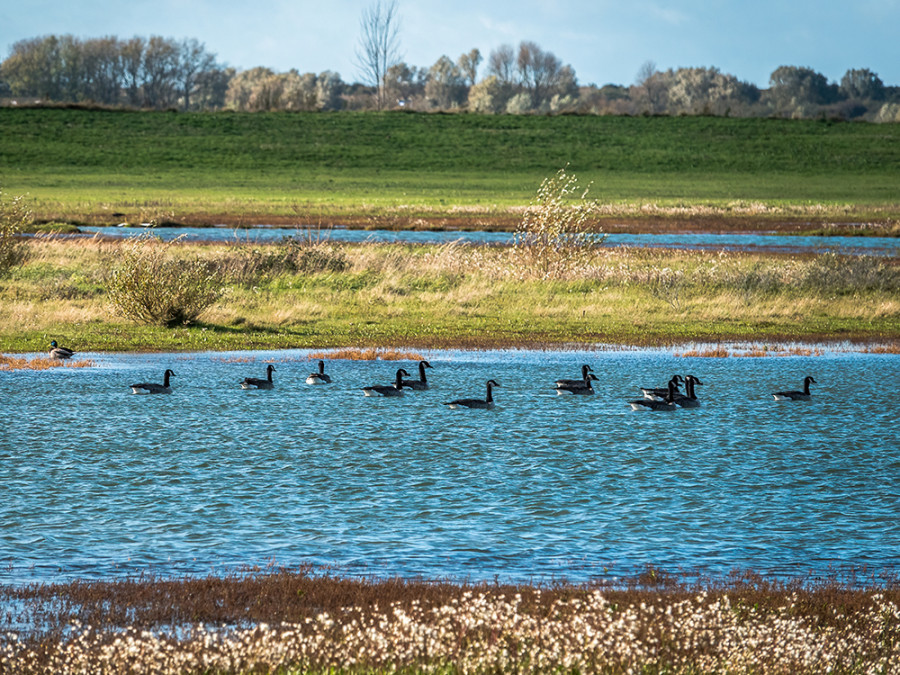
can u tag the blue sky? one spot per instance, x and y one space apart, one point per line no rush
605 41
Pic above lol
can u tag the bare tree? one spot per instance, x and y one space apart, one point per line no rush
540 72
379 43
468 64
192 61
502 63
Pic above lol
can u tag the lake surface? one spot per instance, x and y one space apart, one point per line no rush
96 482
694 241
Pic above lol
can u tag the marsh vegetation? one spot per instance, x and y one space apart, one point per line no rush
295 621
324 294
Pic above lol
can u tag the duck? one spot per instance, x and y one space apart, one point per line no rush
689 398
655 404
422 382
57 352
659 393
258 382
576 387
585 369
486 404
152 387
796 395
395 389
319 377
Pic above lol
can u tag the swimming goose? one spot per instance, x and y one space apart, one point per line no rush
259 383
659 393
421 383
577 387
796 395
319 377
152 387
653 404
486 404
395 389
57 352
689 398
585 369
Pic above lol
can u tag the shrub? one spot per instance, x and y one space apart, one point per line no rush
555 236
149 286
13 215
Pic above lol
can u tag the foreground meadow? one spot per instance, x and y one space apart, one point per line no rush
279 621
302 293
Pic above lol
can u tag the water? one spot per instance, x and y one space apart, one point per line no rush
889 246
96 482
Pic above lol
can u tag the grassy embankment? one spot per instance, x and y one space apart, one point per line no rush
408 170
456 295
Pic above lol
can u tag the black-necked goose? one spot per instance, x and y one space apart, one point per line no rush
659 393
152 387
653 404
319 377
688 399
422 382
577 387
796 395
395 389
486 404
258 382
585 369
57 352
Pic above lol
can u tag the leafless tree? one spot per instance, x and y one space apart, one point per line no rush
192 60
468 64
446 85
379 45
502 64
540 72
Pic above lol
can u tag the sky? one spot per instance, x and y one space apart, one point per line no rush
605 41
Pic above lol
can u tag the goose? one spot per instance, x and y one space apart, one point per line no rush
653 404
152 387
659 393
585 369
319 377
577 387
395 389
421 383
689 398
258 382
57 352
486 404
796 395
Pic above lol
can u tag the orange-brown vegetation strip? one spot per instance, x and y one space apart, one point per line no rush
276 620
40 363
368 354
762 351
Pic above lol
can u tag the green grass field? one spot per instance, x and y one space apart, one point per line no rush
87 165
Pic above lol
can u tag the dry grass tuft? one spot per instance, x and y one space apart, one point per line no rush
40 363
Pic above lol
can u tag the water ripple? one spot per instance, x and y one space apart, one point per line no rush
101 483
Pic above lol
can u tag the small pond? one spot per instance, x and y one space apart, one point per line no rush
889 246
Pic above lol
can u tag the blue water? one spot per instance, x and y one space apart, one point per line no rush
692 241
96 482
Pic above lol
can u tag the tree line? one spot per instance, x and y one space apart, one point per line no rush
163 73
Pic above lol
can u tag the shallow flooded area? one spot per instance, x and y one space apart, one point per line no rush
101 483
